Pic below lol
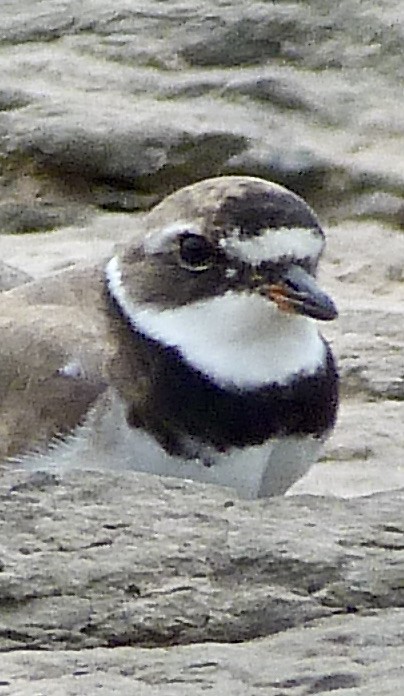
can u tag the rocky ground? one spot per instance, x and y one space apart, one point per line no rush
112 584
139 585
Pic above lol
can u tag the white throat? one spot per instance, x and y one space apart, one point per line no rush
236 339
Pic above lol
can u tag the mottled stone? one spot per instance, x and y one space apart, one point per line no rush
97 561
97 100
11 277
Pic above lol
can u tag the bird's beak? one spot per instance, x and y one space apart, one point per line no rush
297 292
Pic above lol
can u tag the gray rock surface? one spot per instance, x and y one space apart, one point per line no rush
298 595
105 104
11 277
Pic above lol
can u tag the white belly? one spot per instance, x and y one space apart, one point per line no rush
106 442
254 472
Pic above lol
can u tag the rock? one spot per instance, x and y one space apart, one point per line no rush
44 253
19 218
348 655
380 206
363 455
131 561
248 40
12 99
100 100
11 277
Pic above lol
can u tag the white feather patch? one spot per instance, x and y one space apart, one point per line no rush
73 369
275 244
236 339
158 241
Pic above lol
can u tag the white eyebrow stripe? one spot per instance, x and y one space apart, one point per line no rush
274 244
160 240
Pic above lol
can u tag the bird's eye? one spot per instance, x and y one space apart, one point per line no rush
196 253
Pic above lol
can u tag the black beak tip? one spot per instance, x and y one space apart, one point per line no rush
324 310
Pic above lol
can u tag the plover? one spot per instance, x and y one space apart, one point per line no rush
220 373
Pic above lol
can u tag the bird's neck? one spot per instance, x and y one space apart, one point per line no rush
236 340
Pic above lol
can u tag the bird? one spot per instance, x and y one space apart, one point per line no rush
224 375
219 372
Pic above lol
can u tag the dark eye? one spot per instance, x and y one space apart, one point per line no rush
196 252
